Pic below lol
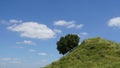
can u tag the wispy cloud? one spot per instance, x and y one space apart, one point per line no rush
33 30
37 52
14 21
42 54
32 50
79 26
68 24
57 30
28 42
11 21
63 23
20 47
84 33
9 59
114 22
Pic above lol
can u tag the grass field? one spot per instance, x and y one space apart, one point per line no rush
92 53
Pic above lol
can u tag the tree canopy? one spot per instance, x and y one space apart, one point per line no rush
67 43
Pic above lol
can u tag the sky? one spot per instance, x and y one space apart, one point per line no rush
29 29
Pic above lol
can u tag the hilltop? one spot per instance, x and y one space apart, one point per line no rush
91 53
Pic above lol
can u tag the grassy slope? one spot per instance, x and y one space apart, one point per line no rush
92 53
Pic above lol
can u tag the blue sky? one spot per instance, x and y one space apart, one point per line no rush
29 29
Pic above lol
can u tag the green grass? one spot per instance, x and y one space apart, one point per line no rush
92 53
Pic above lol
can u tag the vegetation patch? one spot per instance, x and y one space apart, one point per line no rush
91 53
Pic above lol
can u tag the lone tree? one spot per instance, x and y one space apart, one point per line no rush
67 43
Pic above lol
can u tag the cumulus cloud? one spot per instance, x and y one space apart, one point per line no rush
28 42
68 24
33 30
114 22
42 54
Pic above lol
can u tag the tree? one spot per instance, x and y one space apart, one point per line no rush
67 43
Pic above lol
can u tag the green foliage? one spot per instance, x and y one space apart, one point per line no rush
67 43
92 53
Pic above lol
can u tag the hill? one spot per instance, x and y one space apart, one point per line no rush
92 53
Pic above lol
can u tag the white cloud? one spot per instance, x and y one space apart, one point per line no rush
68 24
114 22
33 30
79 26
71 26
11 21
32 50
42 54
9 59
38 53
15 21
28 42
84 33
57 31
63 23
